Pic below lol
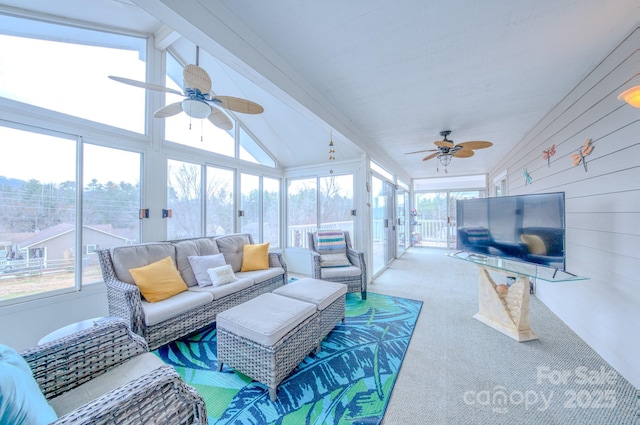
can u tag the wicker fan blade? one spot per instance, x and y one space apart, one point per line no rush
220 119
464 153
475 145
169 110
196 78
444 143
239 105
144 85
424 150
433 155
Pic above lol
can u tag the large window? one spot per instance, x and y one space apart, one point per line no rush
220 208
322 202
271 211
184 200
66 69
250 205
39 247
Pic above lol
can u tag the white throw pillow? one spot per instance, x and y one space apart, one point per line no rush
221 275
201 264
334 260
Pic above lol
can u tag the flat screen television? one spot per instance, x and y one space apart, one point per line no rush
528 228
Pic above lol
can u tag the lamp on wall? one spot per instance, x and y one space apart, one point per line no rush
631 96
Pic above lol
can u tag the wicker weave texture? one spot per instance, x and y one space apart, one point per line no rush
331 316
124 301
159 397
268 365
356 258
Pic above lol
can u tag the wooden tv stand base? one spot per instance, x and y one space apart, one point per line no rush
509 312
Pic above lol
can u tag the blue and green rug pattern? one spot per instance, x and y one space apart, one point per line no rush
348 382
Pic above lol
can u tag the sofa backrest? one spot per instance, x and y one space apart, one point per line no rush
192 247
129 257
231 247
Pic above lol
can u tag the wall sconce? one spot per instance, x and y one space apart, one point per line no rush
631 96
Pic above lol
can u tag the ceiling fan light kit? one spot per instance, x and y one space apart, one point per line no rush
199 102
196 108
446 149
631 96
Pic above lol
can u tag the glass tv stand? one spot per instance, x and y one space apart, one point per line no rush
506 307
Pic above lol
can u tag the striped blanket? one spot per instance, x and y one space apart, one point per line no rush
330 240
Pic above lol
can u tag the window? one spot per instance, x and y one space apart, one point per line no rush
302 210
184 199
111 202
336 202
251 151
271 211
220 207
323 202
37 211
250 205
66 69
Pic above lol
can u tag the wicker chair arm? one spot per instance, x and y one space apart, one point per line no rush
124 299
68 362
356 258
159 397
315 264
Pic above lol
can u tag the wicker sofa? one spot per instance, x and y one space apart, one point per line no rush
105 375
165 321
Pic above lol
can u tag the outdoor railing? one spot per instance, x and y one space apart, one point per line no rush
297 235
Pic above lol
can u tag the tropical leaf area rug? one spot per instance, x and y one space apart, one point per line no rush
348 382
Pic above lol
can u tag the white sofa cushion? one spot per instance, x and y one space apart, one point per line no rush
265 319
97 387
160 311
259 276
192 247
129 257
218 292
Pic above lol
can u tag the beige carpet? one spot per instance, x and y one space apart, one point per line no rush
459 371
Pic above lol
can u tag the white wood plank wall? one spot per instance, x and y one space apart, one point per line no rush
602 205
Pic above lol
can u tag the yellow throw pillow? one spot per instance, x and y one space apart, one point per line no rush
535 244
255 257
158 281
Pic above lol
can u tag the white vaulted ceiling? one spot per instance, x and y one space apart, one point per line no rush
386 76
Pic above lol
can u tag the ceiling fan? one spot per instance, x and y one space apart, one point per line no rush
199 102
446 149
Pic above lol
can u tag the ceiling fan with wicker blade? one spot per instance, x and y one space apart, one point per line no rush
449 148
199 101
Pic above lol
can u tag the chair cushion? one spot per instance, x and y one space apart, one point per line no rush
330 242
231 247
333 272
158 281
200 266
97 387
221 275
193 247
255 257
265 319
21 401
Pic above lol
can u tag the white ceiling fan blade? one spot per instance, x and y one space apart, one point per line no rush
238 105
220 119
144 85
169 110
196 78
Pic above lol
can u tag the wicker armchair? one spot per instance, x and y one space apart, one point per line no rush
158 396
353 275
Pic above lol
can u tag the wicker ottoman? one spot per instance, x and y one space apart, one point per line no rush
267 337
329 298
